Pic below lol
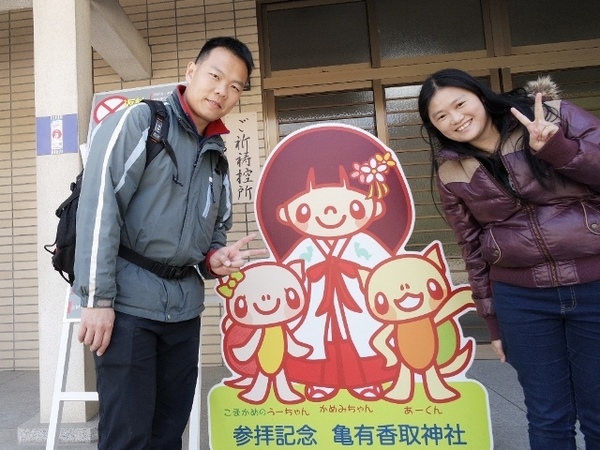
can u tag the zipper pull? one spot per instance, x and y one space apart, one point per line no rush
212 192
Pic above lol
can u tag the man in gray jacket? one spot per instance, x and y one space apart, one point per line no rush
143 323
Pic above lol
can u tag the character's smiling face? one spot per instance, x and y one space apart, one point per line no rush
268 305
404 288
409 301
330 210
271 295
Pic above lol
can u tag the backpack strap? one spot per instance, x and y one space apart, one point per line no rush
156 142
75 191
162 270
157 135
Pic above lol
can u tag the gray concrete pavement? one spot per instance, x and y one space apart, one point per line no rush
19 405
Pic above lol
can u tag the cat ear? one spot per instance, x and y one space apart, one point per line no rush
363 275
298 266
435 254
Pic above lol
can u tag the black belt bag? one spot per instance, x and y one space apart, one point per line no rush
162 270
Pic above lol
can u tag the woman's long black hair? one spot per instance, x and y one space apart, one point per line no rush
497 106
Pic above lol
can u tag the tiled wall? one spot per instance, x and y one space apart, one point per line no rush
175 31
18 246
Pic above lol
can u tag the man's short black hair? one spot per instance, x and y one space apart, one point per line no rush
235 46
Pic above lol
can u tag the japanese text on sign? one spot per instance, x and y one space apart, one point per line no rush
386 434
242 154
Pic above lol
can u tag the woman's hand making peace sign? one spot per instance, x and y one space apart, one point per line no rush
540 130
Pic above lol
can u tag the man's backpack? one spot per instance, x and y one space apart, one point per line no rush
63 248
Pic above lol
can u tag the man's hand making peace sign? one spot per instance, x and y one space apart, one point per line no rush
540 130
232 258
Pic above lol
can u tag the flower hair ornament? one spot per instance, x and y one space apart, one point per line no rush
372 173
227 288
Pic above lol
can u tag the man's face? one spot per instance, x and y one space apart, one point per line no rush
215 85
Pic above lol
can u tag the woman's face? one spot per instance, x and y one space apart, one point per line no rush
460 116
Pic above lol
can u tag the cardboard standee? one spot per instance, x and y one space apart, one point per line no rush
60 395
342 336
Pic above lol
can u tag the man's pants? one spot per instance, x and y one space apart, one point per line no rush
146 381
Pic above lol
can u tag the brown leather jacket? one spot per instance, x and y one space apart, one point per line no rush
542 239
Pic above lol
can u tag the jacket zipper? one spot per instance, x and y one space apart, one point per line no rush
510 182
210 178
535 228
541 244
500 185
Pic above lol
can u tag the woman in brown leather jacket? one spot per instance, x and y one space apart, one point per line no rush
519 183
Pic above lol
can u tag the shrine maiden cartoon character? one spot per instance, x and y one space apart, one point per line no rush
334 196
411 297
264 301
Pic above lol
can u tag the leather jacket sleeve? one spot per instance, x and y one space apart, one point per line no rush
467 231
574 151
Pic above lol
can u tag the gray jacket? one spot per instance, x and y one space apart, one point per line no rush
175 223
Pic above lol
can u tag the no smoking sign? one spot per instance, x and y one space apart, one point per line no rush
108 106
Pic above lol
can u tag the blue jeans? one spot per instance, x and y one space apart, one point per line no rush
146 381
551 336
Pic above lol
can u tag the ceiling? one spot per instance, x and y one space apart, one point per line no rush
112 35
